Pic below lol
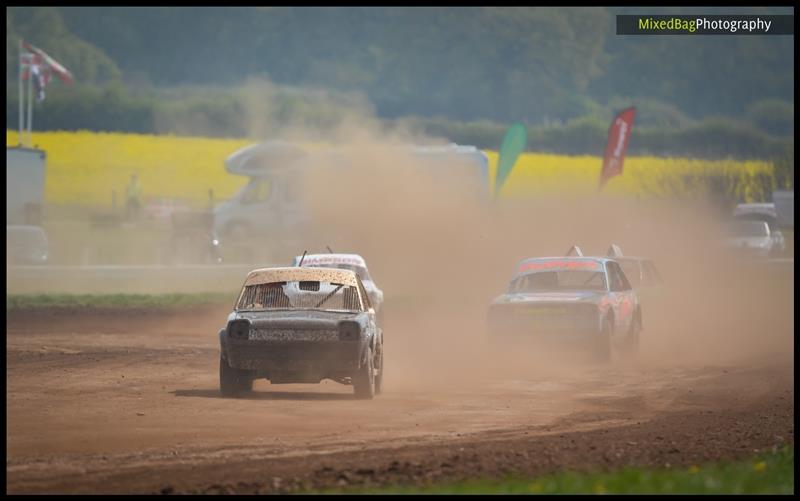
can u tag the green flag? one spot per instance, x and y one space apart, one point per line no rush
513 144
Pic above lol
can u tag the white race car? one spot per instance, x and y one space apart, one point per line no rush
352 262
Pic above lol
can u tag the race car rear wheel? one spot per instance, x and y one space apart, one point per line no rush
364 379
632 341
233 381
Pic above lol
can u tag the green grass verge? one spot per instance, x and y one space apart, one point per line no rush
770 473
100 301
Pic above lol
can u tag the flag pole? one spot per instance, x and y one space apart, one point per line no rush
21 94
30 110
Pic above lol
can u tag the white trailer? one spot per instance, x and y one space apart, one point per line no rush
25 171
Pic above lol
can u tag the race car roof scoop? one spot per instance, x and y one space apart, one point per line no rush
614 251
575 251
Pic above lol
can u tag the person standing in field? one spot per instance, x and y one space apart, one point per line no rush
132 202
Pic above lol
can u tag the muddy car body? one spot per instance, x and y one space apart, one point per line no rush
302 325
573 300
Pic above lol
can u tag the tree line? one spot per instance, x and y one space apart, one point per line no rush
464 71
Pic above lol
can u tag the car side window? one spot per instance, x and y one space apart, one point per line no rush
613 279
617 278
259 192
626 285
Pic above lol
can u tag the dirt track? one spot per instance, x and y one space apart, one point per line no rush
118 404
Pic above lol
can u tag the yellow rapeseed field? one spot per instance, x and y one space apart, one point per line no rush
84 168
643 176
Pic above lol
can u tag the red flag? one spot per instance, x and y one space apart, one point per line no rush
34 68
48 63
618 135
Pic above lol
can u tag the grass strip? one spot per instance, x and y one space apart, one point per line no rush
115 301
767 473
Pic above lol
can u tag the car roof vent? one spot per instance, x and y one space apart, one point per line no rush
614 251
574 251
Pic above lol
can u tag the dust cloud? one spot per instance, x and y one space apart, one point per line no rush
441 252
441 248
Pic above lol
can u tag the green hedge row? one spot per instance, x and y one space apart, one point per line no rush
711 138
226 113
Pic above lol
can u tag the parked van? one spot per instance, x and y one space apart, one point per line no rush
270 202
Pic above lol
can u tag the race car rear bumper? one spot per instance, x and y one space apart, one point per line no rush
293 361
520 322
545 336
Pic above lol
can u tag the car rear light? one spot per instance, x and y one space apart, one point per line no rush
349 331
239 329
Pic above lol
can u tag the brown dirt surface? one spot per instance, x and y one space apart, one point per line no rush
129 403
